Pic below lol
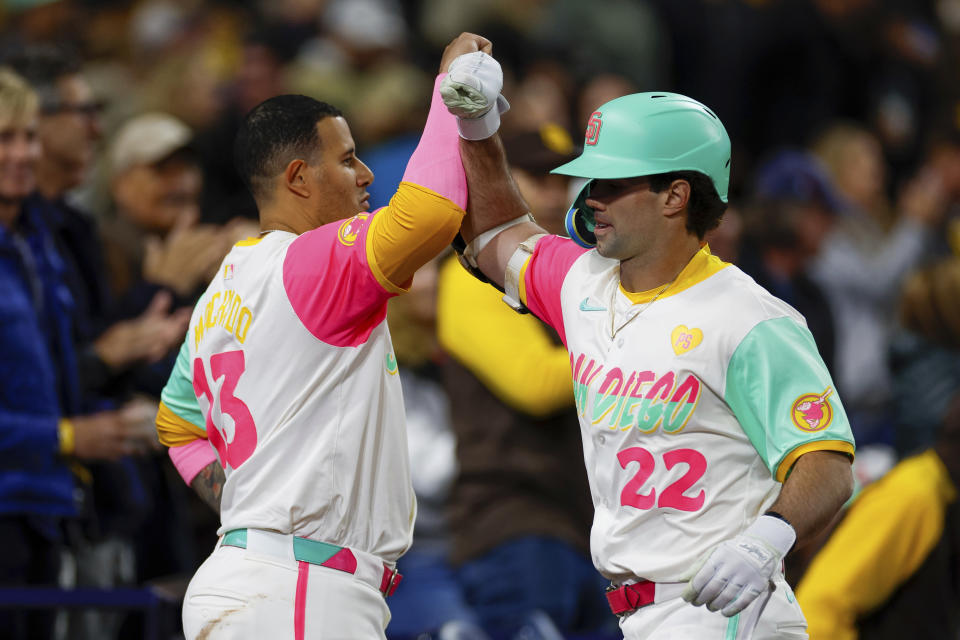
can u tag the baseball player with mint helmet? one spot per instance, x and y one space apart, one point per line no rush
713 437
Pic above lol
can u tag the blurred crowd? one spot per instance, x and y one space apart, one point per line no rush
118 204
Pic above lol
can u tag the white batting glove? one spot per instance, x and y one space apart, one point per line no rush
740 569
471 92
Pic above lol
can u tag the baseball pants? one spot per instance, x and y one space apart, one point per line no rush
777 617
262 591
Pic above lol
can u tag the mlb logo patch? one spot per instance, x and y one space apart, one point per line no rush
228 271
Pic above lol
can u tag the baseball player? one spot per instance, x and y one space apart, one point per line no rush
284 409
711 435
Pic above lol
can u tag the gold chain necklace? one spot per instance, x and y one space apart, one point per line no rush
614 329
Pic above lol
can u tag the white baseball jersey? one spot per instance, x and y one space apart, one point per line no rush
288 373
693 404
288 369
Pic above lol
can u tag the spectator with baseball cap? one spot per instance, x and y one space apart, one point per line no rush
154 241
147 151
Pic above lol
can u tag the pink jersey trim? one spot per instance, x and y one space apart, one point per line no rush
190 458
436 164
330 285
300 601
543 279
344 560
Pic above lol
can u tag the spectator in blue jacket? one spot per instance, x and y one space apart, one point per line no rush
128 502
40 429
70 132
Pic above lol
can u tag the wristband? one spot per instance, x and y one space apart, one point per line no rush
514 270
777 515
67 435
486 125
776 532
472 251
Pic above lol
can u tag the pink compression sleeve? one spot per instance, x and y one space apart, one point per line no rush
436 164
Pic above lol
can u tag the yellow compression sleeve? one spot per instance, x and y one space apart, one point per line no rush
174 431
888 533
416 226
511 354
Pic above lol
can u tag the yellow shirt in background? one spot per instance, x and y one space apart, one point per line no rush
888 533
513 355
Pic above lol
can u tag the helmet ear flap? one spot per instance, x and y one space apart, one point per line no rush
580 221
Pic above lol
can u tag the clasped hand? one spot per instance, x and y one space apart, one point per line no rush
739 570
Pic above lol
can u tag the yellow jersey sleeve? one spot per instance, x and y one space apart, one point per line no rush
416 226
174 431
179 419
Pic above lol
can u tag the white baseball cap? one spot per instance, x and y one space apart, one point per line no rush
147 139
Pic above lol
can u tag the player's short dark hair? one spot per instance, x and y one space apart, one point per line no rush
705 208
42 65
274 133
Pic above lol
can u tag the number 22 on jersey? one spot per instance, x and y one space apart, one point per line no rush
228 365
672 496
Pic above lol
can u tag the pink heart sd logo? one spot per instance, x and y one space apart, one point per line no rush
593 129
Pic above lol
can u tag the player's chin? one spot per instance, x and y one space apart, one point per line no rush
606 247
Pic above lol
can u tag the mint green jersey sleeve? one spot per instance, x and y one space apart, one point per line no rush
178 395
781 393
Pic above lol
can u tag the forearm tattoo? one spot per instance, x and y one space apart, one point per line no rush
209 484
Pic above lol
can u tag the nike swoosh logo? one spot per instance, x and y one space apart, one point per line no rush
586 306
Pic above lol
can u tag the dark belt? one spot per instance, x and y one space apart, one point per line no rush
628 598
323 554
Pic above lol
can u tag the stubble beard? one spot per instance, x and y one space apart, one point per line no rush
609 248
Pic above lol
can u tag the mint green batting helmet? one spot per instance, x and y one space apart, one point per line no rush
643 134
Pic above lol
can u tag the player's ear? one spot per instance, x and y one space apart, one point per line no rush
295 178
678 196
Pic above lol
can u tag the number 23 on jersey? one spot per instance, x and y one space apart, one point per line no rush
228 365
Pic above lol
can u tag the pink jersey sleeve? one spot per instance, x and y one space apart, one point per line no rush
543 278
191 458
330 285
